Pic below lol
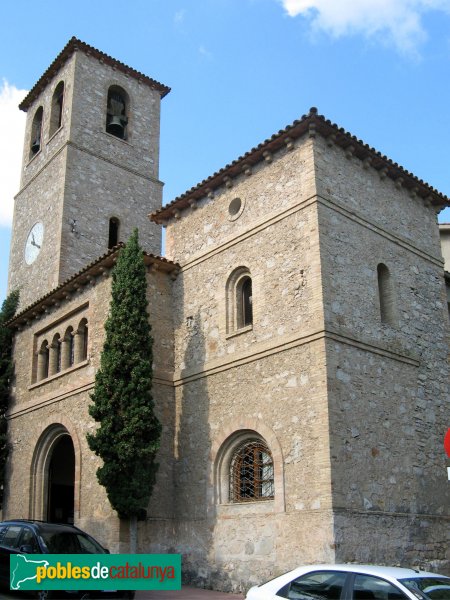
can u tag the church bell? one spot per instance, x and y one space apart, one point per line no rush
115 126
35 146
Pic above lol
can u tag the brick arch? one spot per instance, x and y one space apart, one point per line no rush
226 441
51 431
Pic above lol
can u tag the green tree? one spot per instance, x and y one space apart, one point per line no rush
9 307
128 436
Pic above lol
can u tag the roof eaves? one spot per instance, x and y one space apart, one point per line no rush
100 266
312 123
72 46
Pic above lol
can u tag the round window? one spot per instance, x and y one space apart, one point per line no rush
235 208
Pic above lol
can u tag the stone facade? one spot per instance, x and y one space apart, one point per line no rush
341 371
82 176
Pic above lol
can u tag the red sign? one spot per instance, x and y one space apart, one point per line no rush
447 442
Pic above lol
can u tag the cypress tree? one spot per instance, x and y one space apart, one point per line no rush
128 436
7 312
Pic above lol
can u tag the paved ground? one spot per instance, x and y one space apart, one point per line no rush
186 593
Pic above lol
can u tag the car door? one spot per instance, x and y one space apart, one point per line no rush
9 544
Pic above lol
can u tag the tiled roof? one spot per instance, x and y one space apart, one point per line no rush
72 46
84 277
311 124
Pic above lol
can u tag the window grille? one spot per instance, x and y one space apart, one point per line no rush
251 473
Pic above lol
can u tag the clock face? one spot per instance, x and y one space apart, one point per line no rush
33 244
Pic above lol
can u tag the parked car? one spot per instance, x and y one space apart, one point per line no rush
40 537
353 582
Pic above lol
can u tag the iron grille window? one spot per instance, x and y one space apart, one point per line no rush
251 473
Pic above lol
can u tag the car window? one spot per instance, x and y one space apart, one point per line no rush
29 539
368 587
89 546
433 588
70 542
320 585
61 542
10 537
3 530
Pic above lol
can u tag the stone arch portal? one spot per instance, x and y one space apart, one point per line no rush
54 483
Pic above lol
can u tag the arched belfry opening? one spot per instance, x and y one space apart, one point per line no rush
55 476
61 482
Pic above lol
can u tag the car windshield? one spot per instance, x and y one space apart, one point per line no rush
433 588
70 542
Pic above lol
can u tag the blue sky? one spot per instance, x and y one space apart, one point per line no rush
240 70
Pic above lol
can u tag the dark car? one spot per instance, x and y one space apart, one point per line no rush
40 537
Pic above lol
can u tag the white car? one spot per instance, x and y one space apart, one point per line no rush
353 582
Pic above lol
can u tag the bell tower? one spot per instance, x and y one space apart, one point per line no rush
90 168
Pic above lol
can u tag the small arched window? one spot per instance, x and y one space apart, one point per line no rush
68 349
117 112
239 299
386 295
57 108
43 361
251 472
36 132
245 310
55 355
113 235
81 341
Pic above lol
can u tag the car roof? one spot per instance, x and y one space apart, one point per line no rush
391 574
379 570
41 525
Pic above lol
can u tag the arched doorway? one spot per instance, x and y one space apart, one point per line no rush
55 474
61 482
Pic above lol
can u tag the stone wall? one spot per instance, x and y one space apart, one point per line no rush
387 379
62 400
82 176
312 228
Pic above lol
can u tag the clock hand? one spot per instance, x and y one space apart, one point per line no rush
33 243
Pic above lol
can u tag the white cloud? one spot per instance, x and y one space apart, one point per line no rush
11 144
179 16
205 52
398 22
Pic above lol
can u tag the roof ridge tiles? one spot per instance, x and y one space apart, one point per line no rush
73 45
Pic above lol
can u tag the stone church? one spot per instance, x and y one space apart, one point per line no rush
300 336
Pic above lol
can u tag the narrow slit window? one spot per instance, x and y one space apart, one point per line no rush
386 295
36 132
113 236
246 301
57 108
